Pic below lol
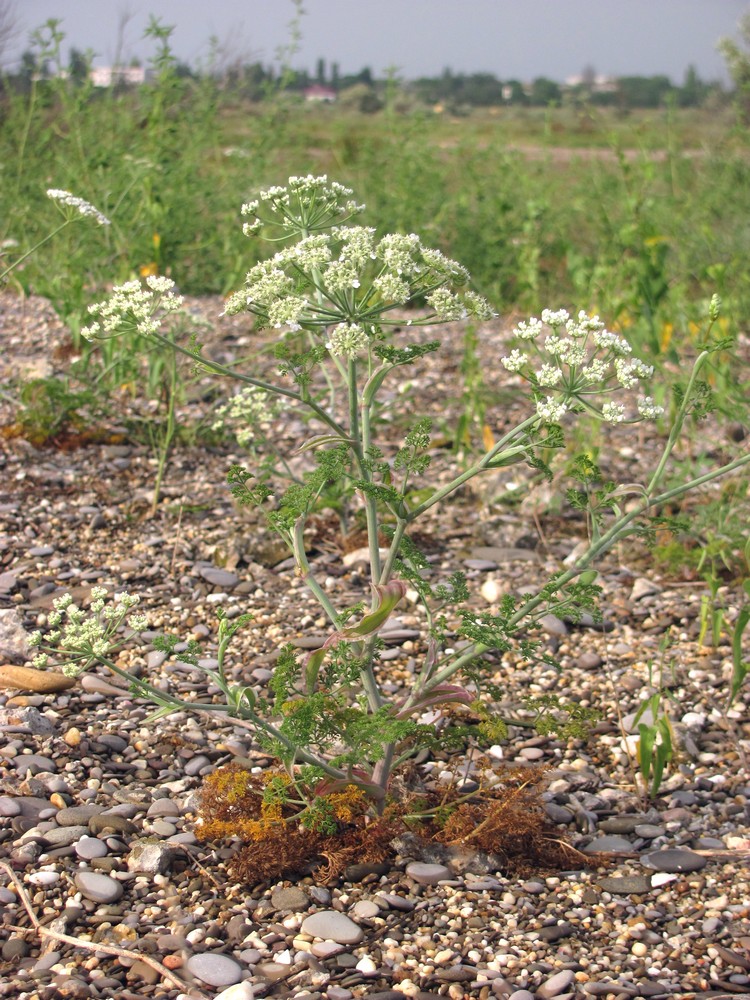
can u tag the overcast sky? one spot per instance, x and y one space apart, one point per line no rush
510 38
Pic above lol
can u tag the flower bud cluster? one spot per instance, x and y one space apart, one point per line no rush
71 205
581 360
82 636
131 307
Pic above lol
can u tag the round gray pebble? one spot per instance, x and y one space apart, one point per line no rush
213 969
99 888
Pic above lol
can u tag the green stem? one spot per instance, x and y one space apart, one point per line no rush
22 258
278 390
619 530
300 557
480 466
364 428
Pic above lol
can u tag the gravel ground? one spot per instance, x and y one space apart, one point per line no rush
97 806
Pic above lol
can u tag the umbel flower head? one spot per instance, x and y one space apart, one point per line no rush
581 362
131 307
341 280
71 206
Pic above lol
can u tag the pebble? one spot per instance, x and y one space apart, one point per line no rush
14 639
330 925
240 991
77 815
609 843
290 898
29 679
674 859
218 577
25 719
625 885
150 856
98 887
214 969
559 983
88 848
426 874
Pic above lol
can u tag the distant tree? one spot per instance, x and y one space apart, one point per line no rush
693 90
643 91
78 67
335 75
545 92
320 72
737 58
513 92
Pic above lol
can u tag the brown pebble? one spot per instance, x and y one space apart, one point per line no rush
172 961
30 679
73 737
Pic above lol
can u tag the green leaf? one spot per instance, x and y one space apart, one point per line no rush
646 749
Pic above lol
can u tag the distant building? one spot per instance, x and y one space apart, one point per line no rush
597 84
107 76
317 92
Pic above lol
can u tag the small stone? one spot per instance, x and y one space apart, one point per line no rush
14 949
196 764
426 874
111 822
553 625
556 932
77 815
330 925
34 763
214 969
99 888
649 831
163 807
14 639
643 588
625 885
608 844
9 807
61 836
150 856
397 902
558 814
88 848
44 878
674 859
289 898
219 577
26 720
589 661
30 679
73 737
355 873
240 991
366 908
559 983
522 995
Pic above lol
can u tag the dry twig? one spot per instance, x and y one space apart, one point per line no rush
169 977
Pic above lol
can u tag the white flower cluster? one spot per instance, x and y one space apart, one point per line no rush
586 360
82 636
133 307
250 407
304 204
316 281
66 200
